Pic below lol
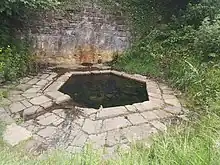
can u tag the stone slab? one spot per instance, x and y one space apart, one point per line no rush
80 139
173 110
160 126
48 119
98 140
112 112
148 105
171 100
31 95
60 113
152 104
51 76
33 90
150 115
31 111
92 127
54 94
115 137
39 100
42 82
33 81
47 104
79 121
23 87
55 86
136 118
15 134
26 103
16 107
87 111
15 98
5 117
115 123
139 132
162 114
63 99
49 131
131 108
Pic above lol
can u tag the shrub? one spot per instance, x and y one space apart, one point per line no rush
185 52
207 40
13 62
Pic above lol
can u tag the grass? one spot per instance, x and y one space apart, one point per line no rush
134 64
186 144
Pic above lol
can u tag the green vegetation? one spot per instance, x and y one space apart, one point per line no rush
193 144
178 42
15 58
184 51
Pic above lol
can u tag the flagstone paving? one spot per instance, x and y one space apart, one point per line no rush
35 101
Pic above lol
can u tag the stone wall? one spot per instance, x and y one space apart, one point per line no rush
87 34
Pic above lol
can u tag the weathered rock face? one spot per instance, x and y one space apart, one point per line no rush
84 35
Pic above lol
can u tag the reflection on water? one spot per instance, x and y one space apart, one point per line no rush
104 89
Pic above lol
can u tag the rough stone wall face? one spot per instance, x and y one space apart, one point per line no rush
88 35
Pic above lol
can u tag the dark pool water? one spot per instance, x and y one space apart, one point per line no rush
107 90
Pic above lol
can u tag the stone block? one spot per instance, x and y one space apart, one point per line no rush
55 94
160 126
33 90
115 123
23 87
48 119
47 104
92 127
139 132
15 98
112 112
60 113
171 100
63 99
33 81
26 103
136 118
115 137
55 86
49 131
5 117
173 110
15 134
97 141
31 111
39 100
150 115
31 95
80 139
131 108
42 83
52 76
16 107
162 114
87 111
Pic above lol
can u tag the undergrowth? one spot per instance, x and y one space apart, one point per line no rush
183 52
194 143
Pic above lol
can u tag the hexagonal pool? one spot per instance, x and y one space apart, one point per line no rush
107 90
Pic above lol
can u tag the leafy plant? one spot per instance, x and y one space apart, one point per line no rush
184 51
